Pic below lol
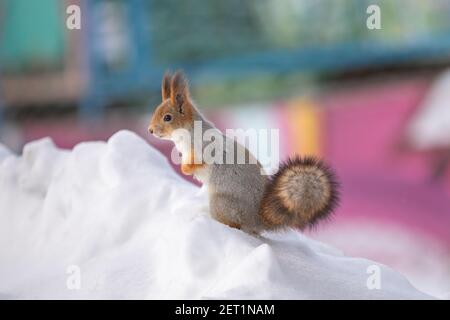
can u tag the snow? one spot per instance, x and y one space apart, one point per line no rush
406 249
116 212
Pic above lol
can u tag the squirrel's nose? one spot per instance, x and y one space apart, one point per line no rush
150 130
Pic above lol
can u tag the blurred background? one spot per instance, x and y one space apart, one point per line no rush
374 103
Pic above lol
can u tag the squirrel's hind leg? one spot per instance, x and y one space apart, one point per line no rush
223 209
230 224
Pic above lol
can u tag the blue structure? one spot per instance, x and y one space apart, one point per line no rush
139 74
2 107
212 39
143 72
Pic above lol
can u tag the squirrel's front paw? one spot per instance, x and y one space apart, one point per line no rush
188 169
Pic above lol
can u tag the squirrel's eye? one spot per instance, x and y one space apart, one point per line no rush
167 118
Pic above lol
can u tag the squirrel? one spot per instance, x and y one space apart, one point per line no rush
301 193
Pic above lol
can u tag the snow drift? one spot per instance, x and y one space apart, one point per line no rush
134 229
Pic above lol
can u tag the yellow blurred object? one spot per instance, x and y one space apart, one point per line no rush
305 127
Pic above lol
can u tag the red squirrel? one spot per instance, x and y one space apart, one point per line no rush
302 192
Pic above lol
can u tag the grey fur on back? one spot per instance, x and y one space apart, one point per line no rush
236 191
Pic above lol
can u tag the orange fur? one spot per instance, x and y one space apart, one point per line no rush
175 102
165 87
302 192
189 166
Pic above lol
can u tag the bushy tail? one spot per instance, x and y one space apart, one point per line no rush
302 192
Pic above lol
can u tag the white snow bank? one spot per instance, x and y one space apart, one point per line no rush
118 215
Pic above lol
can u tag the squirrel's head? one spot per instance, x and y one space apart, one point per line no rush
176 110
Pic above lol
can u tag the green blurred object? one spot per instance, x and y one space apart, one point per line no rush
198 30
33 35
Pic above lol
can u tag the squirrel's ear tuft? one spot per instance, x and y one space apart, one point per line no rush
165 86
179 90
